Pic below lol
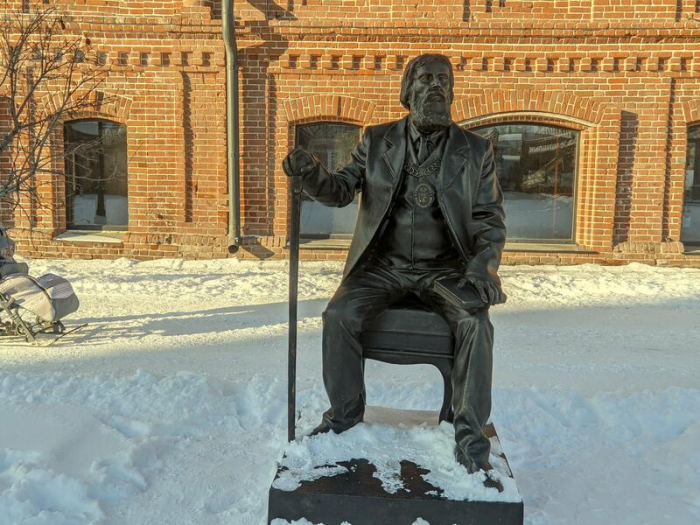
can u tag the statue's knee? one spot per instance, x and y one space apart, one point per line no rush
338 314
470 322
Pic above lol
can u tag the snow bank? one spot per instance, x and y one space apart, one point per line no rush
190 449
73 448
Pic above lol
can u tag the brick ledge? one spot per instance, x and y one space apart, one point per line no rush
91 236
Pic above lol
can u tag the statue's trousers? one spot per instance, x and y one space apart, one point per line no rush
361 297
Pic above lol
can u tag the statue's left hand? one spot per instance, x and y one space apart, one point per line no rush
489 292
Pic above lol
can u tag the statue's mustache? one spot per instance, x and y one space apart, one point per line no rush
434 95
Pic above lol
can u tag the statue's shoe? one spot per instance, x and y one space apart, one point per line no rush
473 466
491 481
470 463
324 428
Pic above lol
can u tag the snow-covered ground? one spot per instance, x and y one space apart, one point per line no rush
170 406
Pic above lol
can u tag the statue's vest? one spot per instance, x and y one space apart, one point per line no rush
415 235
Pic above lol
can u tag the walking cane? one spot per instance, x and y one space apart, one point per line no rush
293 295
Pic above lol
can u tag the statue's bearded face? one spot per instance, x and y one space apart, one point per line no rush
431 96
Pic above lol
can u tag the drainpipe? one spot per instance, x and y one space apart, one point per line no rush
232 151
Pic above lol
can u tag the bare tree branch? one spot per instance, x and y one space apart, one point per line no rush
48 76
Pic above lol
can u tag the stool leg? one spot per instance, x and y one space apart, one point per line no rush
446 413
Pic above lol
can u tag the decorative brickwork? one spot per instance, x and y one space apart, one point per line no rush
328 107
109 106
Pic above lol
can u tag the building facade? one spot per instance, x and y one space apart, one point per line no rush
593 108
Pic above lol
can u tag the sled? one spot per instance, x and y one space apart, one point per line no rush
46 300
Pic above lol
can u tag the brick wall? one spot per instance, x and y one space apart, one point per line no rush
624 73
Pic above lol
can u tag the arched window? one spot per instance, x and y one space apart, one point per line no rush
690 229
96 175
332 143
536 167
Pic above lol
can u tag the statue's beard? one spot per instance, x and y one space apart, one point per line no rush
430 113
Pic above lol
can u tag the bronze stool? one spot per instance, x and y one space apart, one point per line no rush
410 334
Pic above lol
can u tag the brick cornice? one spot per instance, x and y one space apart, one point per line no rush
328 107
313 58
491 30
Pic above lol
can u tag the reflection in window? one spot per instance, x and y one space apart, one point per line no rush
96 165
536 166
690 229
332 143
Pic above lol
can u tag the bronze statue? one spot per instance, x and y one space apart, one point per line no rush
431 210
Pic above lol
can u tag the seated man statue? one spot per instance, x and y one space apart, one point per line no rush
431 209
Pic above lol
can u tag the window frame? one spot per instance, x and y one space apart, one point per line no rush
320 236
68 174
575 186
692 244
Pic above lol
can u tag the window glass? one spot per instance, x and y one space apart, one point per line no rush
536 167
690 229
332 143
96 174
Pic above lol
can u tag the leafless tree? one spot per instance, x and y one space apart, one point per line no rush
48 75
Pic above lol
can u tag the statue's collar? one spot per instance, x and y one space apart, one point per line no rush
433 136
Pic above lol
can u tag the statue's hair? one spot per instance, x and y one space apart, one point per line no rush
410 72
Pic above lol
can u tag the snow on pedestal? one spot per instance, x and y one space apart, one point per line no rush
395 470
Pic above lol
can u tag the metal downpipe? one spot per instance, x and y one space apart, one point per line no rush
232 145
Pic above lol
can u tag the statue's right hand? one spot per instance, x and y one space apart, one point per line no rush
489 292
298 163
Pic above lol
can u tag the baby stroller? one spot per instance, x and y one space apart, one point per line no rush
47 299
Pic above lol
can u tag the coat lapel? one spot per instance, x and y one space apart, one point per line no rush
454 158
395 142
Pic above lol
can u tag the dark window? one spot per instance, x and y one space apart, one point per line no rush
536 166
690 230
96 166
332 143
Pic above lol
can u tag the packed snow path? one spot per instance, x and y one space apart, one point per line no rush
170 406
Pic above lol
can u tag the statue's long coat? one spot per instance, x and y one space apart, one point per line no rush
467 191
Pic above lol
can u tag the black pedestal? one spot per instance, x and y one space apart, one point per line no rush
359 499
